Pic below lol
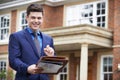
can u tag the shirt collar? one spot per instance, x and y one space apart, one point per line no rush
31 31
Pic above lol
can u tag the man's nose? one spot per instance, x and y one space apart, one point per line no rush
36 20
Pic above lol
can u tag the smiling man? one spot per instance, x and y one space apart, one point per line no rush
28 45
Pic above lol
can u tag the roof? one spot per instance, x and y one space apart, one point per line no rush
13 3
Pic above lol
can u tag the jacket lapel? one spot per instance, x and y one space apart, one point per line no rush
29 39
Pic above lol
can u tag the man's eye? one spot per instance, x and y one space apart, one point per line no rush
39 17
33 17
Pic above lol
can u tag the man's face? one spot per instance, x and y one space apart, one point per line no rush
34 20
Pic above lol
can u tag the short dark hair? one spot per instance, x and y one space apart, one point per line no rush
34 8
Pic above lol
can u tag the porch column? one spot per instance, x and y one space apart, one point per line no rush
84 62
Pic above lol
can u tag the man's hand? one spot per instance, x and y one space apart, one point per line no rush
33 69
49 51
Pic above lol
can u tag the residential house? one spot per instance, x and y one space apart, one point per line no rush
84 31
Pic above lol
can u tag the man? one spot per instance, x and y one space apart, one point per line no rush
24 52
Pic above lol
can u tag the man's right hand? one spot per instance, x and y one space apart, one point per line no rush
33 69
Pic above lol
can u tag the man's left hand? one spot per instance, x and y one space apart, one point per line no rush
49 51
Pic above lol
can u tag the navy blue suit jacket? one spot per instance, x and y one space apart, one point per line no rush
23 53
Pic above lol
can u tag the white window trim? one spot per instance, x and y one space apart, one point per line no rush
58 75
106 9
2 42
101 67
4 58
20 20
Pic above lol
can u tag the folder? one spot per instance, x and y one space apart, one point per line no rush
52 65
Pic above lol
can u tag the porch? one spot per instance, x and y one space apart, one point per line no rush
82 38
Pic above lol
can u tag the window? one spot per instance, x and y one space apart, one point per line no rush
23 22
2 70
106 69
4 27
63 74
91 13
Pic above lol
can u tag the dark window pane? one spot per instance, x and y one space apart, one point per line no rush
65 78
61 77
103 5
98 12
110 60
86 15
91 20
23 27
22 21
105 69
98 25
4 22
91 5
1 25
103 24
105 77
103 18
25 21
110 77
105 61
4 64
103 11
98 19
65 69
22 15
1 63
7 22
1 19
110 68
91 14
98 6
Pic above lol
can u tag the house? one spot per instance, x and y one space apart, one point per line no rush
85 31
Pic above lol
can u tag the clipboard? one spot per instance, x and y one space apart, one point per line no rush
51 65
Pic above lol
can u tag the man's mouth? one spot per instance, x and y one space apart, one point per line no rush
36 24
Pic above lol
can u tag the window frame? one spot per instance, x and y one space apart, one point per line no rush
20 20
101 68
5 41
94 13
58 75
5 58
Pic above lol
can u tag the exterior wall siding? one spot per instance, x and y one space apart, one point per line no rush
111 11
116 38
13 21
94 66
72 67
53 16
3 49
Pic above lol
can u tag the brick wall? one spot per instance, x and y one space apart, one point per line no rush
72 67
53 16
94 66
111 14
116 38
13 21
3 49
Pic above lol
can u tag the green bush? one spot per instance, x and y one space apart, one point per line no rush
2 74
